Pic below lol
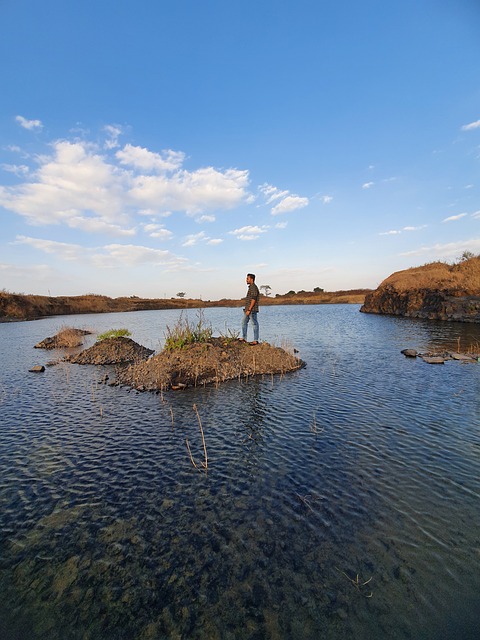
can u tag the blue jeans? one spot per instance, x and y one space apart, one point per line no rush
245 321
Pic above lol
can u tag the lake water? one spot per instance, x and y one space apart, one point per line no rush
341 501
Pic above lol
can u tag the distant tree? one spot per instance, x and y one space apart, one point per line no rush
181 294
290 293
318 290
266 289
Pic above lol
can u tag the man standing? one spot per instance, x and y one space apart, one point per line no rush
251 308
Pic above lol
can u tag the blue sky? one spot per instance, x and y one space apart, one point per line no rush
153 147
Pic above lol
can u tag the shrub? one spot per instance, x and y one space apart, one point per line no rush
184 333
113 333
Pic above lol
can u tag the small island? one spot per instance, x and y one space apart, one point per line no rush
192 357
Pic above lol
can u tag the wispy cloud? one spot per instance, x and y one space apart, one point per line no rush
30 125
18 169
367 185
193 239
459 216
107 256
471 126
326 199
113 134
448 250
286 202
394 232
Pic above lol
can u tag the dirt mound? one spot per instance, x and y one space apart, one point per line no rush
65 339
112 351
208 363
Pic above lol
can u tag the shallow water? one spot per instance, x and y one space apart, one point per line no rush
340 501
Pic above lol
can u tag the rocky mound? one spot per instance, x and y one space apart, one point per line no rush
436 291
205 363
112 351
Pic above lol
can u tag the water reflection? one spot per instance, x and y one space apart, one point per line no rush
363 464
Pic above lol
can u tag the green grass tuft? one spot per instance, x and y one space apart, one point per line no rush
113 333
185 333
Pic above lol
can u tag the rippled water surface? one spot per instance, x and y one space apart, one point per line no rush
341 501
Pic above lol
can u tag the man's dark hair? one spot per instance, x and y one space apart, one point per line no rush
251 275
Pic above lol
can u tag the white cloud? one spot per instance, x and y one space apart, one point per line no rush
476 214
281 225
449 250
367 185
471 126
453 218
249 232
145 160
395 232
288 204
72 181
191 192
271 193
193 238
28 124
76 182
205 218
215 241
326 199
108 256
157 231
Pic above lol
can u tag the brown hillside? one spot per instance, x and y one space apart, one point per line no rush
436 291
461 277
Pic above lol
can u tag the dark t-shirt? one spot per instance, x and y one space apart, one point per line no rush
252 294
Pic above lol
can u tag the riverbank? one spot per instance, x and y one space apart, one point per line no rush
17 306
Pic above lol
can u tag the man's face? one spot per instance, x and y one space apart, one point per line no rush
249 280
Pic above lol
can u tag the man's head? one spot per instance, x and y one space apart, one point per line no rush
250 278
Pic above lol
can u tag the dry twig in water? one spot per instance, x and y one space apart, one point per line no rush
357 583
204 463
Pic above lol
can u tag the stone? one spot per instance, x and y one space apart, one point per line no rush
38 368
460 356
433 359
410 353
